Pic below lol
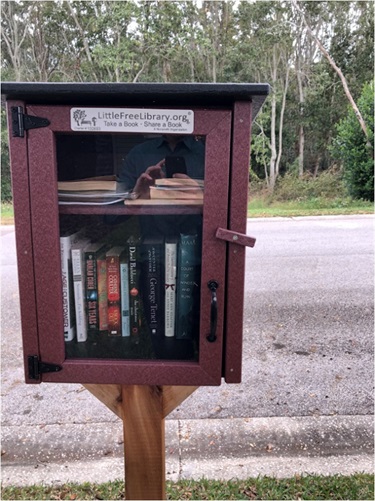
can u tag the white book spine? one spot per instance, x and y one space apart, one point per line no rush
67 286
170 288
125 318
79 294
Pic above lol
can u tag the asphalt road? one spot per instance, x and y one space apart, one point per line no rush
308 333
304 405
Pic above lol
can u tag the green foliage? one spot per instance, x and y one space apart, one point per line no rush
6 189
195 41
354 487
327 185
353 149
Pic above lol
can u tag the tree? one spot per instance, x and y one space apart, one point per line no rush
14 32
265 43
351 147
335 67
6 191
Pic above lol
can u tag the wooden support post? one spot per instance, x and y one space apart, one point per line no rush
143 409
144 442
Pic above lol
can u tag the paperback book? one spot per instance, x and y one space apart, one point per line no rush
170 285
188 286
134 285
114 256
66 241
92 251
78 267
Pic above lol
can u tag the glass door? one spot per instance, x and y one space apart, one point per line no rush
124 237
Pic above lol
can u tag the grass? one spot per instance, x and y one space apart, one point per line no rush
7 213
260 206
318 206
359 486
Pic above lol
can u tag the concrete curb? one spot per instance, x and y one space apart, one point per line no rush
196 448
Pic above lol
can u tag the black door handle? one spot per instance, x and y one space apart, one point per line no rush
213 285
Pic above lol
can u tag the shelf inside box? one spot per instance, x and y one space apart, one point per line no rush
136 209
102 346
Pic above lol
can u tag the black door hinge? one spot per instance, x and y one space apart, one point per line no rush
22 122
37 367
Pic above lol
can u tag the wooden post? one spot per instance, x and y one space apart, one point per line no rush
143 409
144 442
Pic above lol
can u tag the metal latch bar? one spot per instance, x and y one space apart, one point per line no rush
235 237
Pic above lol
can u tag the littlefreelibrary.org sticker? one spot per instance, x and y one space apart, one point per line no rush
132 120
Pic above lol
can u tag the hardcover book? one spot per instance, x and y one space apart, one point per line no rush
78 267
66 242
188 286
102 292
152 256
113 257
108 183
134 285
170 285
125 312
92 252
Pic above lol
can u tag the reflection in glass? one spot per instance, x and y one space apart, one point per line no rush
131 281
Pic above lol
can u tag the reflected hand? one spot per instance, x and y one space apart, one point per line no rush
147 179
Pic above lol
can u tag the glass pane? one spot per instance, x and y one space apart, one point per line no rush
131 279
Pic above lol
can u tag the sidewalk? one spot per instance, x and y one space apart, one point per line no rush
211 448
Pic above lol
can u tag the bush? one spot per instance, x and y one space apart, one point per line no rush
352 149
328 184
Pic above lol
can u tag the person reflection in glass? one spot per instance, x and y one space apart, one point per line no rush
146 161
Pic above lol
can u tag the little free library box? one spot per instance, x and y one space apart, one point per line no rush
130 206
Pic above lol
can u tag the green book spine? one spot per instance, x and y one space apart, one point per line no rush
188 286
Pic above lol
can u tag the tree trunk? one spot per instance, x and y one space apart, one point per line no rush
281 121
337 70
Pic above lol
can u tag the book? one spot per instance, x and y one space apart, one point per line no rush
101 264
188 286
187 193
152 283
125 312
134 285
170 285
159 202
78 266
179 183
113 257
92 251
67 239
107 183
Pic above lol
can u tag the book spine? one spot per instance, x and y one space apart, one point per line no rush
170 287
125 313
91 280
134 296
102 293
67 287
114 295
188 280
79 294
153 286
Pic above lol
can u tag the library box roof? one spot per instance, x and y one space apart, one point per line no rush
136 94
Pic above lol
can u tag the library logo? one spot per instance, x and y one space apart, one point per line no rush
132 120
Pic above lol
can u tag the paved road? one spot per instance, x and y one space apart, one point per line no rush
308 337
